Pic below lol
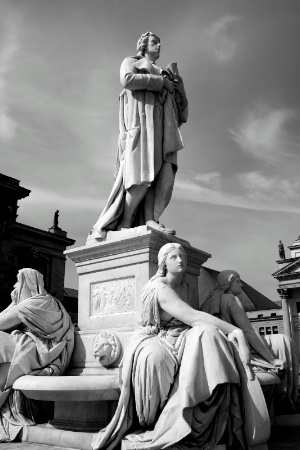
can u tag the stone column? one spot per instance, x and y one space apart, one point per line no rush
286 317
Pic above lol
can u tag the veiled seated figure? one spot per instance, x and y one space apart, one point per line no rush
273 357
180 382
42 345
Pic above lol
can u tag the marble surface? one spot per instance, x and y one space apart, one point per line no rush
29 446
282 438
69 388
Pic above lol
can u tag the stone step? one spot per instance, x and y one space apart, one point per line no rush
130 445
48 435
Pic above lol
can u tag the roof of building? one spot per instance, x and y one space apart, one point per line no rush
259 300
285 270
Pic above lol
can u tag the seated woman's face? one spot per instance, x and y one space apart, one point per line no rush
236 286
176 261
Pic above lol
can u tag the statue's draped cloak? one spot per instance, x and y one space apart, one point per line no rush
203 397
43 347
149 139
281 346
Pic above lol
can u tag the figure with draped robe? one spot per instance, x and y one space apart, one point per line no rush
41 344
153 106
272 356
180 385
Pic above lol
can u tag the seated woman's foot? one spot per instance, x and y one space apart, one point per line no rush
160 227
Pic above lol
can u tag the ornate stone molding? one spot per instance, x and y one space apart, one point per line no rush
113 296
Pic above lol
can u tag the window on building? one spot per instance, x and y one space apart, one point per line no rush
275 329
273 314
268 330
259 315
261 331
298 306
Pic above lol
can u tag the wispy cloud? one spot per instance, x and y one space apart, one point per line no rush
258 186
211 179
7 125
251 190
8 49
81 202
262 133
223 46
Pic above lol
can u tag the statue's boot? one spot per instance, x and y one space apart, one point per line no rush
160 227
94 235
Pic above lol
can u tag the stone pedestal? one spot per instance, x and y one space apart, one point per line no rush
112 274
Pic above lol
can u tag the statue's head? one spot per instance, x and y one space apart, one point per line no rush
163 254
229 280
103 350
142 43
29 283
106 348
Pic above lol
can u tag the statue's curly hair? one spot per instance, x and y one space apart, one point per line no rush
143 41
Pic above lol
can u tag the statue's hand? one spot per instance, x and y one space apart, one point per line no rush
279 364
237 337
169 85
179 87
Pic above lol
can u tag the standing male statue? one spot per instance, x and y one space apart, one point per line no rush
153 105
281 250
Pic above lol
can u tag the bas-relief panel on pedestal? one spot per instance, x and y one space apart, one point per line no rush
113 297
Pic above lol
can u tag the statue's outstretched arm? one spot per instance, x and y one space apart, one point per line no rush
256 342
170 302
8 319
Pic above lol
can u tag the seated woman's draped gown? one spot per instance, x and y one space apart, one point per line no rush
281 346
179 385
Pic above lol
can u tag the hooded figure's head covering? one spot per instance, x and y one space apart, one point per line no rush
212 304
225 278
30 283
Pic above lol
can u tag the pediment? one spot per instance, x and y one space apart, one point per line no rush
292 269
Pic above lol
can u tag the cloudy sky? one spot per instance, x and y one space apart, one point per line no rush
237 190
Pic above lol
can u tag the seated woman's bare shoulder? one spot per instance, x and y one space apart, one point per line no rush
228 297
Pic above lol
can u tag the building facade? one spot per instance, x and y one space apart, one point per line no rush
26 246
288 277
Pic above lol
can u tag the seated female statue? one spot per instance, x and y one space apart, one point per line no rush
42 345
179 377
273 354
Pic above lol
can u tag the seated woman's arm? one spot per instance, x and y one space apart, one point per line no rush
170 302
8 318
10 306
256 342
